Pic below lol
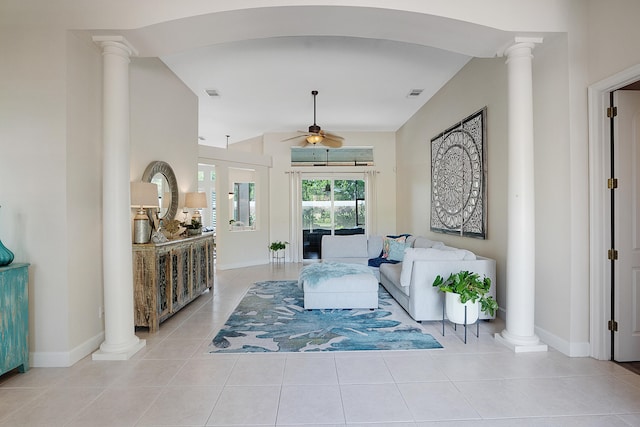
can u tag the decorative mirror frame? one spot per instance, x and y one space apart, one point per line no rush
164 169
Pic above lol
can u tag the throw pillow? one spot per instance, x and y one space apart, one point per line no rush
396 250
386 246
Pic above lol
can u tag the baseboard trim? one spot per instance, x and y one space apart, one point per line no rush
64 359
571 349
240 265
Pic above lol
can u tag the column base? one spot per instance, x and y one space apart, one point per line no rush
121 354
520 344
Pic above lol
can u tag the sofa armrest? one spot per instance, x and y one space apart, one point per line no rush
425 298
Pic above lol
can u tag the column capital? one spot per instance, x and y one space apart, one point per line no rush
118 42
519 43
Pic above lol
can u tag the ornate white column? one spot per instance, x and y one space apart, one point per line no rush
120 340
519 331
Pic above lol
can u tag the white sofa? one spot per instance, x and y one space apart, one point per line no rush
410 282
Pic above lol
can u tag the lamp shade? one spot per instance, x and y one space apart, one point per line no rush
195 200
144 194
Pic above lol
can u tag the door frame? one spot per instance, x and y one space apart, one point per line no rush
599 212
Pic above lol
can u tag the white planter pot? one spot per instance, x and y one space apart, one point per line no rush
455 309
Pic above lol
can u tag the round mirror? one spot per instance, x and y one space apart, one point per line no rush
164 193
161 174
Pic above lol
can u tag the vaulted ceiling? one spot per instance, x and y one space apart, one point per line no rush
263 63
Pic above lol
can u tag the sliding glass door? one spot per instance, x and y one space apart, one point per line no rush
330 206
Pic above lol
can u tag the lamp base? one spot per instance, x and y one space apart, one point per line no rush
196 217
141 228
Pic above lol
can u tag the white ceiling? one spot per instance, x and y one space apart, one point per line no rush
265 85
264 63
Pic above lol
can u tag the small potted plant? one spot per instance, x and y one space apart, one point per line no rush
466 289
194 228
278 245
275 247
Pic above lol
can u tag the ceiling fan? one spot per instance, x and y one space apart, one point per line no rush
316 135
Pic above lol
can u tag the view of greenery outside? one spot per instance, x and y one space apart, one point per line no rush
244 201
316 211
207 184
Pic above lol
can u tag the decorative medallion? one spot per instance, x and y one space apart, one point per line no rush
458 178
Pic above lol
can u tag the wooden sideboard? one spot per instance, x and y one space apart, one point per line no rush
168 276
14 317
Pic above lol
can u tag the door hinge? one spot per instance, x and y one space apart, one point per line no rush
612 325
612 254
612 183
612 112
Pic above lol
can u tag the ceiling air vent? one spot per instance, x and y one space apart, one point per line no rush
414 92
212 92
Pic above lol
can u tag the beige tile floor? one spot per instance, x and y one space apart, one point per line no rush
174 382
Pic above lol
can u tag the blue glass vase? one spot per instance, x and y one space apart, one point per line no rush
6 256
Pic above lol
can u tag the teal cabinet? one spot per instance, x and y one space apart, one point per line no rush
14 317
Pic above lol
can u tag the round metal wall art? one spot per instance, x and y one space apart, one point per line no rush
457 179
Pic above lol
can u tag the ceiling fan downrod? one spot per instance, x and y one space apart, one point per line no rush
314 128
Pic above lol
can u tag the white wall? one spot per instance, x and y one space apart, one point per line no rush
482 82
164 124
33 174
84 199
553 194
235 249
613 37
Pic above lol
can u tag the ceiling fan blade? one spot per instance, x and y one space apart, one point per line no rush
330 142
302 135
332 136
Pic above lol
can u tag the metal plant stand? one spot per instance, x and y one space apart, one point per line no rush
477 322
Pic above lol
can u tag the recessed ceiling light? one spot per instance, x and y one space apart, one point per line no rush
212 92
414 92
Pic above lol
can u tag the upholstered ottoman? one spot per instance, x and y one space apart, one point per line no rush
330 285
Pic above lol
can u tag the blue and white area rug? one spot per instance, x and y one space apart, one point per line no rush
271 318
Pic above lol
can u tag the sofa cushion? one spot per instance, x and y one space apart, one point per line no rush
423 242
430 254
392 272
374 246
468 255
354 246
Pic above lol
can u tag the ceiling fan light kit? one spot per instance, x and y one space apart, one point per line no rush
316 135
314 139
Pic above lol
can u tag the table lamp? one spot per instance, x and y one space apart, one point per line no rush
195 201
144 195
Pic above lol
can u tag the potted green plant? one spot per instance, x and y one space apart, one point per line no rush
278 245
194 228
275 248
466 289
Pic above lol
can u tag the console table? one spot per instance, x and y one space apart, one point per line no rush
14 317
167 276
